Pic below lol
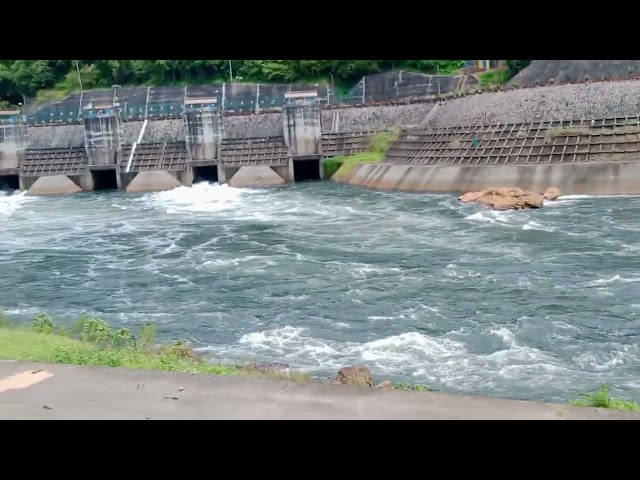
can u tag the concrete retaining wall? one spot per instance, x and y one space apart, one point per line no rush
601 178
561 102
239 126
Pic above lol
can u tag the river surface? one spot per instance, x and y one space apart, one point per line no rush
536 304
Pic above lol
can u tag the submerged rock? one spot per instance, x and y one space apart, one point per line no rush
386 385
552 193
356 375
274 367
506 198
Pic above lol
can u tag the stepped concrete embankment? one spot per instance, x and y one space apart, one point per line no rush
619 178
596 157
559 102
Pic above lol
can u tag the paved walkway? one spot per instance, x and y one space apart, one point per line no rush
43 391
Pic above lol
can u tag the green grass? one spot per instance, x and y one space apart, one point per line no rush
344 164
378 146
412 387
603 399
495 77
92 342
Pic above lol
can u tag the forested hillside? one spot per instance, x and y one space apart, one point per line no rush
27 78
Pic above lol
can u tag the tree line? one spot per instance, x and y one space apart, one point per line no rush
21 79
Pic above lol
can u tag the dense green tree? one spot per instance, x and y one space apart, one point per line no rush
20 78
515 66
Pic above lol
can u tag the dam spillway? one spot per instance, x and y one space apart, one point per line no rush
450 145
578 156
199 151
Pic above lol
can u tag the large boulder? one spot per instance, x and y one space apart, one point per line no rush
356 375
506 198
552 193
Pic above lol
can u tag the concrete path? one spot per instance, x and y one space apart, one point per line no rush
43 391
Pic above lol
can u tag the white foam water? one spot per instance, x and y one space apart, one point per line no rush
201 197
10 203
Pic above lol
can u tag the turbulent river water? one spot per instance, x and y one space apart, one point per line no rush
534 304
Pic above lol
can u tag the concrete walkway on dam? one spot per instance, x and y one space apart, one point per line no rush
65 392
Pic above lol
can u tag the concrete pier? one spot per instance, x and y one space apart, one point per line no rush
147 167
256 162
302 131
294 156
102 130
12 145
94 166
203 134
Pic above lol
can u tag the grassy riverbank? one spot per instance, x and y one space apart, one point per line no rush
92 341
380 142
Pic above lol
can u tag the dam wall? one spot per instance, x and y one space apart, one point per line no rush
600 156
558 102
356 119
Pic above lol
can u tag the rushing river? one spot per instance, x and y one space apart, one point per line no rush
534 304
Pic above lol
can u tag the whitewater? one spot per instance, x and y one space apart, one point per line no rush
538 304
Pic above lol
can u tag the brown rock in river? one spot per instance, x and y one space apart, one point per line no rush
552 193
506 198
356 375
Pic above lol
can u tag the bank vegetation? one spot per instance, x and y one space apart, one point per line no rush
91 341
50 80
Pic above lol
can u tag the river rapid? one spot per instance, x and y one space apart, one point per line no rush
538 304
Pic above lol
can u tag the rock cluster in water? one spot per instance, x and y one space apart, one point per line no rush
359 375
510 198
354 375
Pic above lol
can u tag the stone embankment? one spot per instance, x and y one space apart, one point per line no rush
559 102
543 72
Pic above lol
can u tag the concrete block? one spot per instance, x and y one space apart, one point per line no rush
259 176
152 182
55 184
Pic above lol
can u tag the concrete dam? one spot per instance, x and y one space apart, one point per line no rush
580 138
103 151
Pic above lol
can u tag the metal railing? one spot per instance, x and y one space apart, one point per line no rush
167 102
